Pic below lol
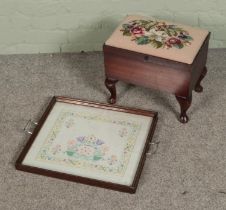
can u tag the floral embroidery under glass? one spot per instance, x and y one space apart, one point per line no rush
157 34
89 151
87 148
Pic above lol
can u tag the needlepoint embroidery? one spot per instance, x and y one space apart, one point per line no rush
89 151
157 34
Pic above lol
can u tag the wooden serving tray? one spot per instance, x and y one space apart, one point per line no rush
90 143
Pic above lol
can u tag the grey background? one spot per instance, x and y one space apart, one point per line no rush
188 170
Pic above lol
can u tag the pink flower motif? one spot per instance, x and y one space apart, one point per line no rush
113 157
85 150
174 40
104 149
137 30
71 142
112 160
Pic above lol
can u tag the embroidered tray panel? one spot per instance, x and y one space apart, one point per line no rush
159 38
90 142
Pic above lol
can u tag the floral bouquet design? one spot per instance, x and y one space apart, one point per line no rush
87 148
158 34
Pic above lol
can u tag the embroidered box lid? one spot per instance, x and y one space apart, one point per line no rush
158 38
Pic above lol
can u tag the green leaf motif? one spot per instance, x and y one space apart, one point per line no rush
168 32
144 22
149 26
96 157
173 32
70 153
126 26
142 40
156 44
188 38
178 29
157 34
178 46
126 33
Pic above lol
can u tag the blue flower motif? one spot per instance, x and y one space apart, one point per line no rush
81 138
99 142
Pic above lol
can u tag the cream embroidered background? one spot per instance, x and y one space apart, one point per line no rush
90 142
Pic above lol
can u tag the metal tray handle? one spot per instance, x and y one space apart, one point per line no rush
153 148
29 125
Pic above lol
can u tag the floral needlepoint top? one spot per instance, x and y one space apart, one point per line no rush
157 34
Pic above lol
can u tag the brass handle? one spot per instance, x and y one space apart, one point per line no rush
29 125
153 149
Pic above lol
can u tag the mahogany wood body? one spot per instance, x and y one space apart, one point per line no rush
154 72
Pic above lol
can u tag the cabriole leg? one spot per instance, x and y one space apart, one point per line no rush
110 84
185 103
198 87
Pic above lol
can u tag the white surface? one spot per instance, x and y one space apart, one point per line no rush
116 131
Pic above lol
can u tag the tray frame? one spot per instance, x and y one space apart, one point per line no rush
123 188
